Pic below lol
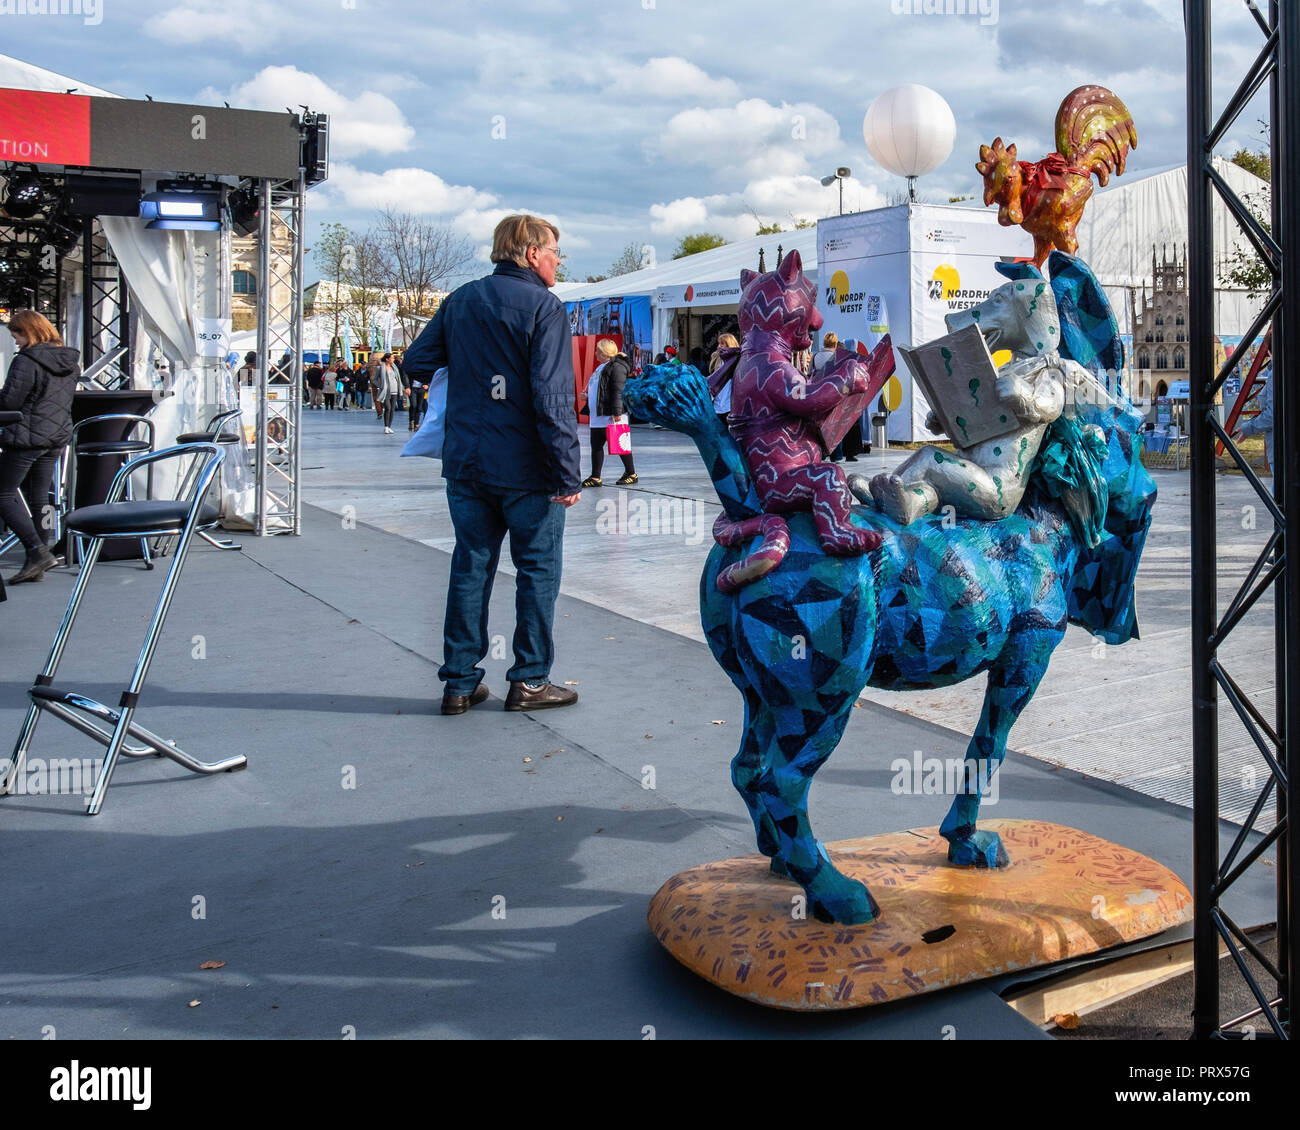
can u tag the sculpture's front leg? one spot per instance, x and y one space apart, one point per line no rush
1011 686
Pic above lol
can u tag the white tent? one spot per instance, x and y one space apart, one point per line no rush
1123 222
705 279
18 75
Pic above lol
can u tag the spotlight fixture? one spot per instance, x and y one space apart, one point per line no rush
183 206
24 195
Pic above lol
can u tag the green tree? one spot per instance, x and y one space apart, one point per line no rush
768 229
697 242
804 222
1242 267
1258 163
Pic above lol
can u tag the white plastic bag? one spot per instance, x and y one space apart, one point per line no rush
427 442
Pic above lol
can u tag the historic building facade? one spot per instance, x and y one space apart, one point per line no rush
1159 321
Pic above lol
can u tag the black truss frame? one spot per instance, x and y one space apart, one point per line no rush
102 284
1278 64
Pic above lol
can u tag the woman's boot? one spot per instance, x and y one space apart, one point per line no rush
38 560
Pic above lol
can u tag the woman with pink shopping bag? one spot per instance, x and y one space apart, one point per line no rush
609 421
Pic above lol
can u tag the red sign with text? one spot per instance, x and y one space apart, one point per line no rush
44 128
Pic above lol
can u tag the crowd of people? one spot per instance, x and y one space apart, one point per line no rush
379 383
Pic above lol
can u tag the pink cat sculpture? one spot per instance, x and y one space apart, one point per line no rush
775 409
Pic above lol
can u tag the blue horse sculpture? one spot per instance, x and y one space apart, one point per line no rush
942 600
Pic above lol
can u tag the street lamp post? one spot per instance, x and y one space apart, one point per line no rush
840 174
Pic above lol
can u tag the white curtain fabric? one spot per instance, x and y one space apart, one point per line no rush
176 282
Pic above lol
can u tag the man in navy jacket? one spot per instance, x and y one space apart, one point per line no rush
510 457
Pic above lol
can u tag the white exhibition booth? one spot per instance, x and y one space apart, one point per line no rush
922 261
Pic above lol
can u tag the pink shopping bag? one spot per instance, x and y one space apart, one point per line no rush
618 438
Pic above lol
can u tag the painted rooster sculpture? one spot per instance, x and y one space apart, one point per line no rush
1094 133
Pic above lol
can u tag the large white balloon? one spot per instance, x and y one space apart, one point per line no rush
909 130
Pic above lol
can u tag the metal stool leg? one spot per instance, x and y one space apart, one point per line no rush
52 661
132 692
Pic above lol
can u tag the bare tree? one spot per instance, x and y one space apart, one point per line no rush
632 259
419 258
331 254
366 279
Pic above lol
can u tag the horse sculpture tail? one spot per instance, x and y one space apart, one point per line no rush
677 396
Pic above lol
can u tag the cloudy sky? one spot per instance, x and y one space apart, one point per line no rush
638 121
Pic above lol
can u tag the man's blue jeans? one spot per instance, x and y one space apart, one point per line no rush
482 516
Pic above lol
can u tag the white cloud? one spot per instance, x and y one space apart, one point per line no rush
669 77
406 190
752 135
368 122
777 198
217 21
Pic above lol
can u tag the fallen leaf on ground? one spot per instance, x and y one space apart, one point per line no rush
527 760
718 722
195 1004
649 735
212 965
419 863
558 819
1066 1020
572 683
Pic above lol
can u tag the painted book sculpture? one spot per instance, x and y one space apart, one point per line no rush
1012 407
1094 133
937 603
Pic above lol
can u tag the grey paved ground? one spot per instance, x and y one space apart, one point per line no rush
638 551
349 876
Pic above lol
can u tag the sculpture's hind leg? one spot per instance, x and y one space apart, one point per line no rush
1009 691
797 754
751 769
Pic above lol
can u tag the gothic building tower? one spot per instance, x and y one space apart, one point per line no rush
1159 322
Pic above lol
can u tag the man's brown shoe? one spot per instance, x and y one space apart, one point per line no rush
538 696
459 703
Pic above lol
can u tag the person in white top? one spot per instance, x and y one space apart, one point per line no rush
605 406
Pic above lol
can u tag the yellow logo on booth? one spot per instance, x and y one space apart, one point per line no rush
892 394
840 285
945 282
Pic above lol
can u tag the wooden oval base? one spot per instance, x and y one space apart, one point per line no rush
1066 893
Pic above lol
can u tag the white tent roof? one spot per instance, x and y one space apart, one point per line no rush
17 75
720 265
1121 223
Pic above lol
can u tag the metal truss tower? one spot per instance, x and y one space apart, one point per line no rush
281 211
1277 64
105 323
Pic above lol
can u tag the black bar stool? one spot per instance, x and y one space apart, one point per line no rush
119 518
216 432
107 449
